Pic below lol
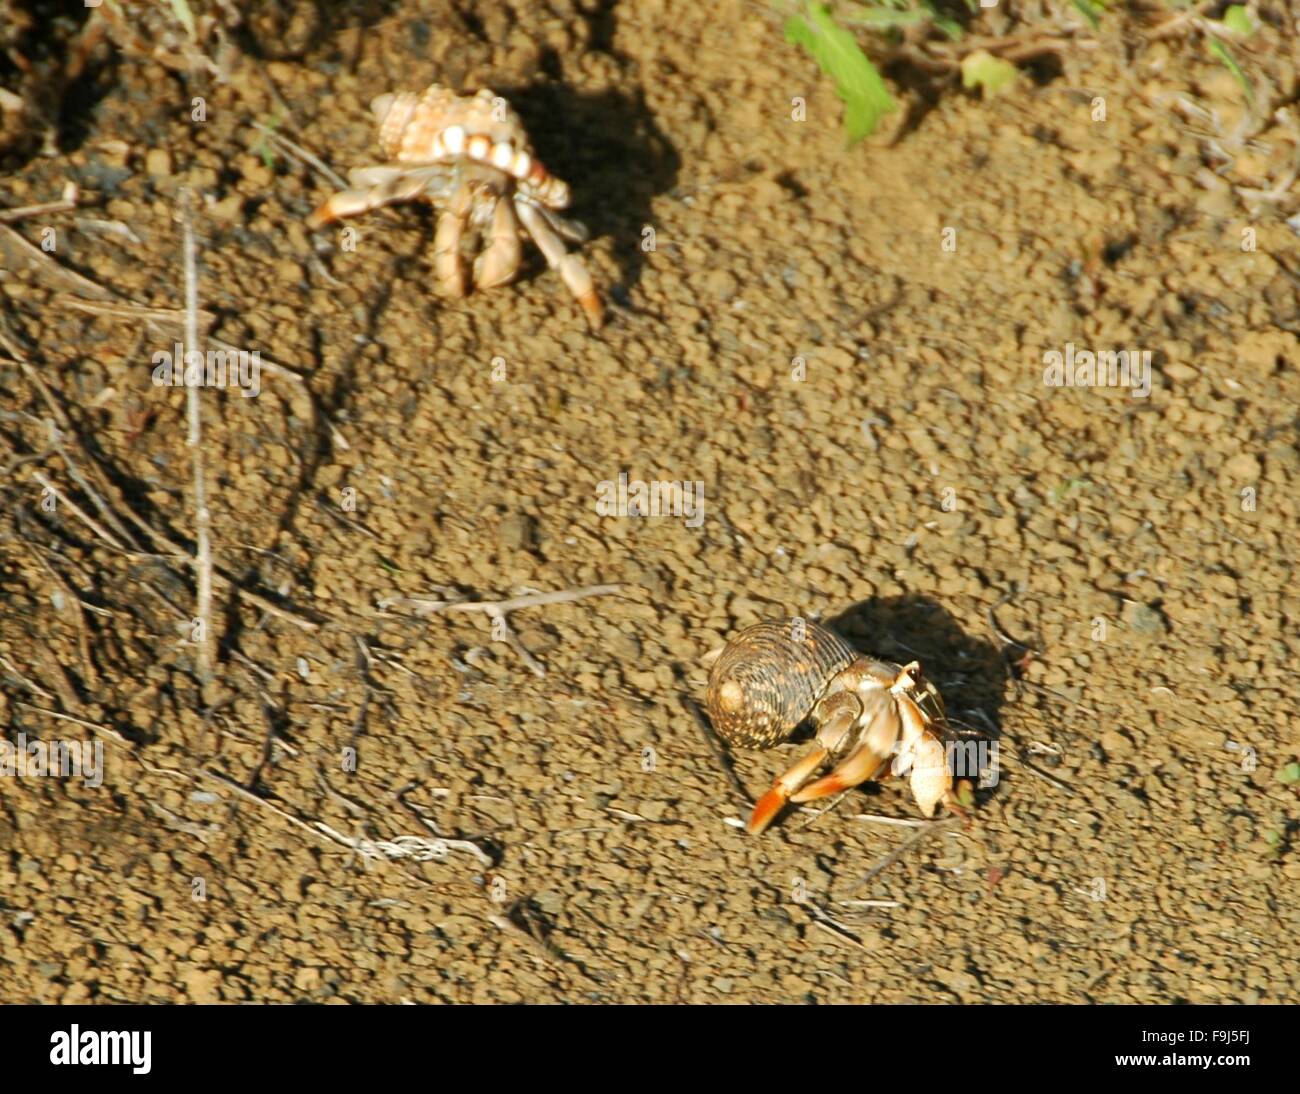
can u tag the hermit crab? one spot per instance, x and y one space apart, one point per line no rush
872 718
469 156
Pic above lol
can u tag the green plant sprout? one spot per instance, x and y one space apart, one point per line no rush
1069 488
1236 23
857 82
991 74
902 14
1091 10
263 148
862 89
1236 20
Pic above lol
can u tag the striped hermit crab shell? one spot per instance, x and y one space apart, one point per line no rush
439 126
769 677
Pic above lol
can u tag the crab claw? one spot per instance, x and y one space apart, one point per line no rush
857 769
872 752
499 262
925 755
930 782
771 803
336 208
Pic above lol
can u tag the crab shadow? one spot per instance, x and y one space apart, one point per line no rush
614 157
970 672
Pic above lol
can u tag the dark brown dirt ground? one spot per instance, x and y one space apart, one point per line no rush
1140 844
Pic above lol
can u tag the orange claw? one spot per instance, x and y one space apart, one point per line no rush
320 217
854 771
766 809
771 803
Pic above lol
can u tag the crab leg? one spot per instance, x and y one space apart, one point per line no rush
500 260
446 240
572 271
373 187
572 230
838 716
446 254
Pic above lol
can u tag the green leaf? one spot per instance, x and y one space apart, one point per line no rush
1289 774
1091 10
1230 62
887 19
1237 18
836 52
950 27
899 15
982 69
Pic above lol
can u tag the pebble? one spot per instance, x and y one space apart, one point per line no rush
158 163
1142 619
518 532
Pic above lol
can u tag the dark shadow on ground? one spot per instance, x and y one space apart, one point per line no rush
613 156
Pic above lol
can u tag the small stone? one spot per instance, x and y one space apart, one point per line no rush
228 209
1243 468
201 984
642 681
518 532
651 809
1142 619
256 174
549 901
158 163
76 993
1115 743
721 284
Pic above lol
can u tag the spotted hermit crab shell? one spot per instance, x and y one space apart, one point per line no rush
768 679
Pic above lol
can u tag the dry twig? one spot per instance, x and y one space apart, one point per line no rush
898 852
194 441
496 610
163 543
67 202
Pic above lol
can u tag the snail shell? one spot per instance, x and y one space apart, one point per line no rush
766 681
